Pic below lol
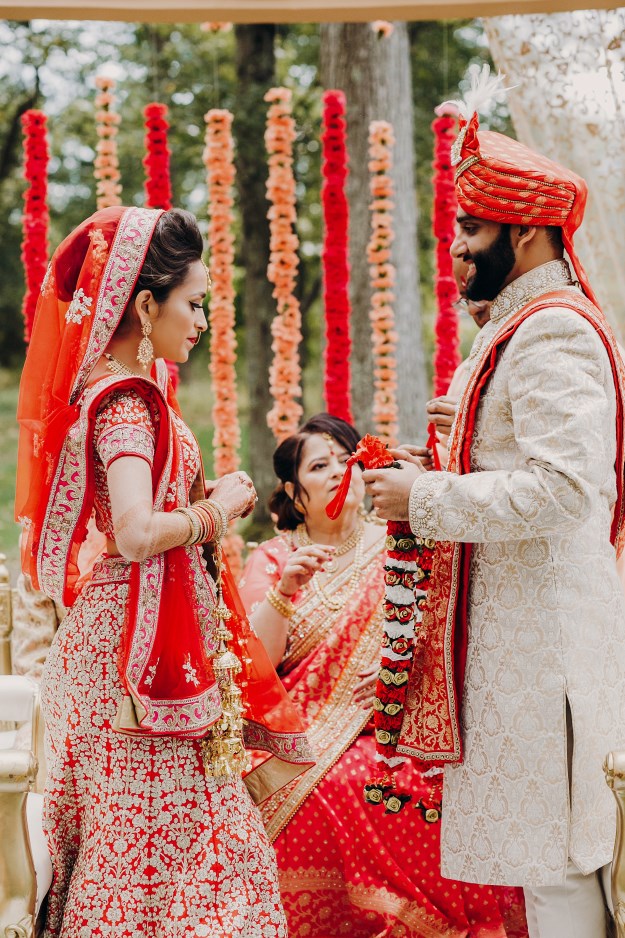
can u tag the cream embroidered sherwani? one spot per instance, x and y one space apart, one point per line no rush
546 610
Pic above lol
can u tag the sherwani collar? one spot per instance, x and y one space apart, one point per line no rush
550 276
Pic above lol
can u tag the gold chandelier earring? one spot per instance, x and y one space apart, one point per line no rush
145 352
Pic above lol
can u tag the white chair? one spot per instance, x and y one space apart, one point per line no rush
25 867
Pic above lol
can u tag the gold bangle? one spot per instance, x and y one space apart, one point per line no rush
284 607
194 527
221 521
208 520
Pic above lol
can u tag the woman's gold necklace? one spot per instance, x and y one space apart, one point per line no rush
331 566
356 539
118 368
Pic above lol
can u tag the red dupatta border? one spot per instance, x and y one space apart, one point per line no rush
431 729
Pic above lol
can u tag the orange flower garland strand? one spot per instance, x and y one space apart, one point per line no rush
219 161
106 163
382 274
285 370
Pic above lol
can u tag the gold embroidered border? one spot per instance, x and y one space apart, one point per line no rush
312 621
337 724
374 898
126 257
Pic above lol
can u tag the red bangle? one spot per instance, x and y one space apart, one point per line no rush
286 595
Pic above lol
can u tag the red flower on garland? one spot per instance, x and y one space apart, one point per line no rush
36 217
447 341
156 159
334 257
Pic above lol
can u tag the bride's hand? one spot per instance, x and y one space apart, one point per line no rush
301 566
236 493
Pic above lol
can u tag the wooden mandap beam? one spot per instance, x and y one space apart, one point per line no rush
281 11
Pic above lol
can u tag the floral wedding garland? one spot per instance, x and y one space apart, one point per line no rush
285 370
382 275
106 163
406 576
218 159
334 257
36 218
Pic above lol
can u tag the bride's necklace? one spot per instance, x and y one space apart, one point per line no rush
118 368
331 566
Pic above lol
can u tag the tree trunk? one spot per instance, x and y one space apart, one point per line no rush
374 73
255 69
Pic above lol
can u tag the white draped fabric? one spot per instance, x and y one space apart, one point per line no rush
570 105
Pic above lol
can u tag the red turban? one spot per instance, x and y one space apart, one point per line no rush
503 180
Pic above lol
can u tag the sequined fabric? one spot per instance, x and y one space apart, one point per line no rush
142 842
346 868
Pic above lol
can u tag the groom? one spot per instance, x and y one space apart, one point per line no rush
520 687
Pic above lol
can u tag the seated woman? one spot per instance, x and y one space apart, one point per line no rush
314 594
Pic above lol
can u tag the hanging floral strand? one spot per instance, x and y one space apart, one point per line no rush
285 371
334 257
447 352
382 274
106 163
157 185
156 159
219 162
36 219
406 577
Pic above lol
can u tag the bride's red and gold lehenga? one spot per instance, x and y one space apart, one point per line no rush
145 838
346 868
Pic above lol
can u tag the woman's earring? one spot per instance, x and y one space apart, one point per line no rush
145 352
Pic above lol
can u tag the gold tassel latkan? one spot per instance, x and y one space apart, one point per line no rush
223 751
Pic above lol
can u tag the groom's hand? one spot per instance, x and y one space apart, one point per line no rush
390 489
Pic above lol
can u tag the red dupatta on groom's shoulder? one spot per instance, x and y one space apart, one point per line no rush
431 727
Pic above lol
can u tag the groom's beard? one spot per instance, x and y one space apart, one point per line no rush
492 266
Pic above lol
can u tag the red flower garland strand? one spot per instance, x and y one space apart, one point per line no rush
219 161
106 163
36 218
406 575
285 372
157 185
447 340
382 274
156 159
334 257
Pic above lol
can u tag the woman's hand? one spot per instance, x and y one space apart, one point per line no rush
364 691
301 566
236 493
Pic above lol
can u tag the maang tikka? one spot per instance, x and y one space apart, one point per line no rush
145 352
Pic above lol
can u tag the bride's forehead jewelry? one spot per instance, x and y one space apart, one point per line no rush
209 282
